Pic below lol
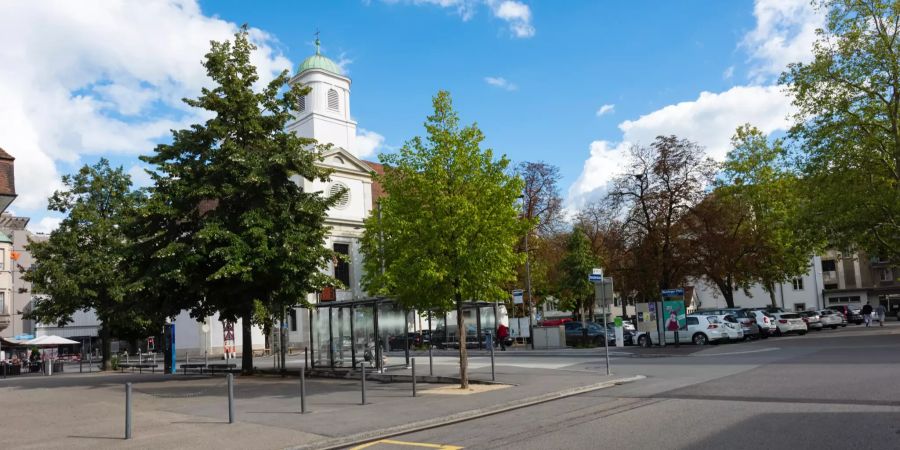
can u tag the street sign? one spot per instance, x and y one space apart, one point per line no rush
517 296
596 276
673 292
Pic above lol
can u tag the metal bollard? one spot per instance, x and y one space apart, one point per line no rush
493 374
413 362
363 378
230 398
127 410
430 360
302 390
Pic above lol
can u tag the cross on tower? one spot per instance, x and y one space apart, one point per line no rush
317 41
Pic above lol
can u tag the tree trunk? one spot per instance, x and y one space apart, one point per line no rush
770 287
463 353
247 341
105 348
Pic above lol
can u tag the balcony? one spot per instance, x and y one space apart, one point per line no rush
829 277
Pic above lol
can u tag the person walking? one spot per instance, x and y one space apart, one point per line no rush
502 334
867 314
880 312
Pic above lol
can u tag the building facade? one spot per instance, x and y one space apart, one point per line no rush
7 195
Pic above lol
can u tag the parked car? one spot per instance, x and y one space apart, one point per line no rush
701 330
397 342
831 318
627 335
790 323
595 334
765 322
850 312
744 316
733 327
812 319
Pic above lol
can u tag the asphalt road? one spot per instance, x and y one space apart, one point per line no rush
832 389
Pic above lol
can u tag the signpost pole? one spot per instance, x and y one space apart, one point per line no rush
605 329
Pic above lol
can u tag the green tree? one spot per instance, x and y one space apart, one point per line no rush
847 125
229 227
83 265
449 223
576 292
756 174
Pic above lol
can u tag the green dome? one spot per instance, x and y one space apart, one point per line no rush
319 62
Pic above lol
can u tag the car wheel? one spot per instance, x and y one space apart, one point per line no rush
834 327
801 333
700 339
644 341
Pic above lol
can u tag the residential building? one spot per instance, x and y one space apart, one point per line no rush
20 260
7 195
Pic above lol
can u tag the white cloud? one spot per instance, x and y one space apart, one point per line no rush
367 143
139 176
785 32
606 109
45 225
515 13
501 83
728 73
710 120
101 77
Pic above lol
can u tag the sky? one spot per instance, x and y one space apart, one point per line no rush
573 84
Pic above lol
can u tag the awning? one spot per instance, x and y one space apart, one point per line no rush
50 341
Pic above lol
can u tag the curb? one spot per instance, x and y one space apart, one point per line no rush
378 377
414 427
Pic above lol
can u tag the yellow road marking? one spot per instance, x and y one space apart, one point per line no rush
410 444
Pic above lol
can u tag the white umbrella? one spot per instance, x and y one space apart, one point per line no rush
49 341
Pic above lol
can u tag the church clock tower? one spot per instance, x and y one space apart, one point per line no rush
324 113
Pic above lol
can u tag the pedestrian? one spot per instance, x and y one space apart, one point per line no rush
880 311
502 334
867 314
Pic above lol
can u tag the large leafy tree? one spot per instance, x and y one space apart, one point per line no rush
758 180
84 265
229 227
449 223
663 181
848 125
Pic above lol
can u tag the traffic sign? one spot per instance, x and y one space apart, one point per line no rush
596 275
673 292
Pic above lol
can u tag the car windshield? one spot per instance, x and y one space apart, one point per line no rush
712 319
730 318
790 316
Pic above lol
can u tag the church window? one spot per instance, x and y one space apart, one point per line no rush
301 104
333 99
342 265
345 199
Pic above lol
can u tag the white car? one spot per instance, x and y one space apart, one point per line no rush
832 319
789 322
766 323
701 330
732 326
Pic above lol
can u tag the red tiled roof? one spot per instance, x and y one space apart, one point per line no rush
377 189
7 174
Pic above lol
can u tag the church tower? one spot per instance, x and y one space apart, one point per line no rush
324 113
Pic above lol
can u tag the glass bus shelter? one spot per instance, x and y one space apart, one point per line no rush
343 333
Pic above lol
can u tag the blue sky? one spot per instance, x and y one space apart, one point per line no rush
571 83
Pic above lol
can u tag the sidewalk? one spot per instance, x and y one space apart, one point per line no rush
87 411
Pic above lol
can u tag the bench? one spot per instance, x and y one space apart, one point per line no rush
224 367
139 366
187 366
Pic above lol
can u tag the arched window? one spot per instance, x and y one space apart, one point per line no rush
301 104
333 99
344 199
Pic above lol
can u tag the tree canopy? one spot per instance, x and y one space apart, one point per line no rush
449 222
229 226
83 265
847 126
